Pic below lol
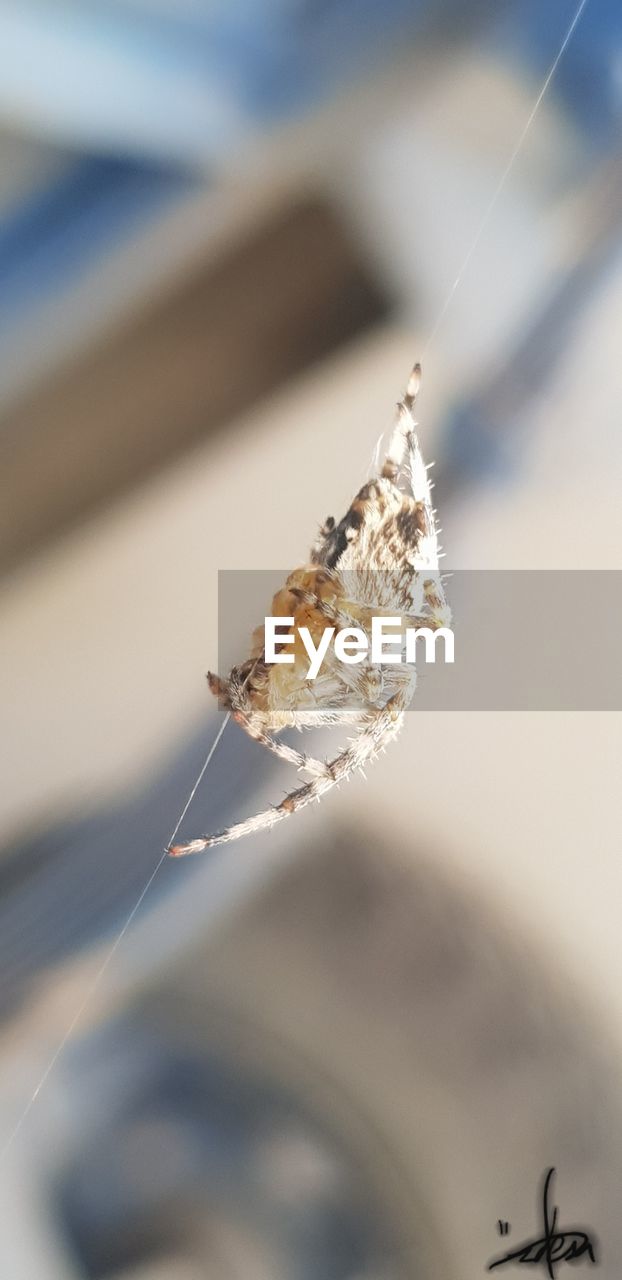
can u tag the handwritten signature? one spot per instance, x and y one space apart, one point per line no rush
554 1245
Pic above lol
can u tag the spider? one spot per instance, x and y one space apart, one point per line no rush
382 557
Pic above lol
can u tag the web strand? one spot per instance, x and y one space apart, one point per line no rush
440 318
94 984
514 154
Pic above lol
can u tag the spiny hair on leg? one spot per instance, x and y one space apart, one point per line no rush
379 729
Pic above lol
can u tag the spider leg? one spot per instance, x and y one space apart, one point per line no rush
403 427
439 615
376 732
251 725
298 758
331 611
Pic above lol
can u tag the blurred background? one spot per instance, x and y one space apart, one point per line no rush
345 1050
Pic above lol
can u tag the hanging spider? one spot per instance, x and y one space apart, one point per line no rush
382 558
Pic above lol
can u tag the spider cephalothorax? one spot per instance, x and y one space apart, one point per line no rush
381 558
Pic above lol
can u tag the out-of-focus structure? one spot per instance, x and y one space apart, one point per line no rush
347 1050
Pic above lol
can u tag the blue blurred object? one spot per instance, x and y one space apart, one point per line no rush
588 79
186 1132
151 96
78 216
148 94
80 879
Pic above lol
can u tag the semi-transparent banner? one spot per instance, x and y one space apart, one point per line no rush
521 640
